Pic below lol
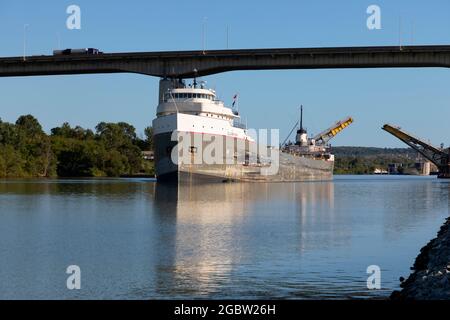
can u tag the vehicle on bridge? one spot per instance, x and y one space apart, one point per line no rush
66 52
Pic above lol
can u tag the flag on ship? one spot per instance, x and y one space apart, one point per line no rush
235 99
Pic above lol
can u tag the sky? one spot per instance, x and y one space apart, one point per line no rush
418 100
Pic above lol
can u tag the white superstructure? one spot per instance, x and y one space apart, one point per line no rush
196 110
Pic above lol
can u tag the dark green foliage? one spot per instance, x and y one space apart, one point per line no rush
147 142
68 132
114 150
149 137
25 149
11 162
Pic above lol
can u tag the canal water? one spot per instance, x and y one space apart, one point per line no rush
136 239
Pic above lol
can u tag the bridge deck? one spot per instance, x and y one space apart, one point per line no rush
182 64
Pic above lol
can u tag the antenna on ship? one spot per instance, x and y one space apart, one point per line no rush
301 129
301 117
301 132
195 78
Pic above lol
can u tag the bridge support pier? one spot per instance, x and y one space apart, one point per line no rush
444 172
168 83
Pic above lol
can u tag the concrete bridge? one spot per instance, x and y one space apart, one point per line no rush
188 64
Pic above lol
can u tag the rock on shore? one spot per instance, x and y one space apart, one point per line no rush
431 277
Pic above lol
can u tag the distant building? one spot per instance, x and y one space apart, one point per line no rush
423 167
395 168
434 170
380 171
148 155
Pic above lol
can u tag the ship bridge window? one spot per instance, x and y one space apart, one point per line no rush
170 96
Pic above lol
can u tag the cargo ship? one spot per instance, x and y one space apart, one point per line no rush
194 113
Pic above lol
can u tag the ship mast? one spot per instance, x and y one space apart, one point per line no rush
301 138
301 117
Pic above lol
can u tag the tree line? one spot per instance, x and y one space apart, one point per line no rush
364 160
112 150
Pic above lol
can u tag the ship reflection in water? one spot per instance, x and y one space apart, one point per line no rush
223 229
142 240
291 240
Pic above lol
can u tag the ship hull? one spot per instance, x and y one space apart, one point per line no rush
291 167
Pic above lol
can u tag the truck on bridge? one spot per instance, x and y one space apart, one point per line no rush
66 52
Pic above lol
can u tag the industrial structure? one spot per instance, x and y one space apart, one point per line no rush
325 136
438 156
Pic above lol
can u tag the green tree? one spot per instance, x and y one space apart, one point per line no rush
29 125
149 138
67 131
27 151
34 147
10 162
8 134
120 137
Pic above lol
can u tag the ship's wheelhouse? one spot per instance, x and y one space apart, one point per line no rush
195 101
181 96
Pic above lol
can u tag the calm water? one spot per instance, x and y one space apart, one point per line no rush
134 239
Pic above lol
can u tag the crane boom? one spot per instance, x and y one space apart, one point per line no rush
439 156
327 135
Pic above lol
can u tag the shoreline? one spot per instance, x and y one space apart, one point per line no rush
431 277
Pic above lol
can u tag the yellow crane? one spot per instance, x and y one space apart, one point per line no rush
326 135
